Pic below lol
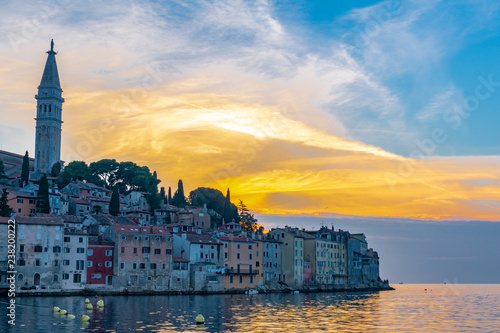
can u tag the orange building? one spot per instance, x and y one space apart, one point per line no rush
22 203
240 262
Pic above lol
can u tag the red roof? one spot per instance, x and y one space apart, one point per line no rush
180 259
80 201
4 220
237 239
38 220
122 228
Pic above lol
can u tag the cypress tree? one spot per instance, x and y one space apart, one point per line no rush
114 205
169 199
179 198
25 171
2 170
228 214
56 170
162 194
43 203
5 209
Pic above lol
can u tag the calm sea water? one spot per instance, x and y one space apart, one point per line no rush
410 308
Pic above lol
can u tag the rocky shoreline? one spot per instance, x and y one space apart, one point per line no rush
127 292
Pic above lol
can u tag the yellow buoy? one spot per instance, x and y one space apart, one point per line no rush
87 301
71 316
85 318
63 312
56 309
100 303
89 306
200 319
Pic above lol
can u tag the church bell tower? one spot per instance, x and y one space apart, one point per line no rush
48 117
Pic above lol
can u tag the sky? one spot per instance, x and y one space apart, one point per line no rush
354 112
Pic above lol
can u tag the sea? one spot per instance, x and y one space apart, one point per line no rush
408 308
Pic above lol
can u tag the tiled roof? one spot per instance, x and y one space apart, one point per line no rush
108 219
237 239
179 259
38 220
21 194
200 239
140 230
80 201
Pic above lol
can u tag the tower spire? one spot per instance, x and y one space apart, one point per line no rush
48 117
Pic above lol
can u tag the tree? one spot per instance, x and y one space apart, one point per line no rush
162 194
2 170
215 200
169 199
114 204
179 199
228 210
247 220
5 209
105 170
75 170
25 170
43 203
154 201
56 169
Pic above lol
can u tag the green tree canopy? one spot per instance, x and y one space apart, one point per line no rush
114 204
43 202
75 170
214 199
179 199
25 170
247 220
5 209
105 170
56 169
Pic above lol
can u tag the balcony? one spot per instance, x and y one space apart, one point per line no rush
242 271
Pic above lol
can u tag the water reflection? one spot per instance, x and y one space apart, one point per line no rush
411 308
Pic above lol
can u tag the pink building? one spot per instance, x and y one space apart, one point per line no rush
143 256
307 272
100 262
239 262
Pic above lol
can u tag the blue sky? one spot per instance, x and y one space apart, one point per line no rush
384 110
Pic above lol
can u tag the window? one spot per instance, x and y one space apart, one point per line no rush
238 246
55 278
146 249
66 239
21 262
66 262
109 253
122 250
135 250
257 264
19 201
134 265
122 265
37 262
201 255
80 240
19 210
90 263
20 278
77 278
56 263
225 245
250 256
201 246
80 250
108 264
32 211
168 251
65 276
90 252
213 256
79 265
176 265
123 237
225 255
230 279
38 248
249 247
66 249
251 279
21 248
142 265
153 266
157 251
241 278
32 201
238 255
